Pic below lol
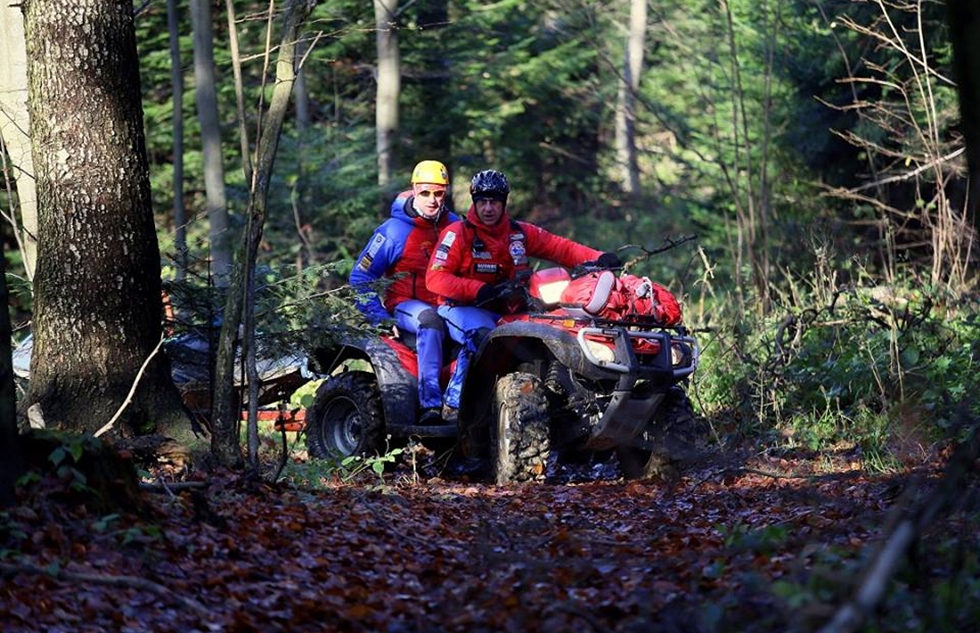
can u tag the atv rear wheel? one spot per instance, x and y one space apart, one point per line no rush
346 417
520 440
669 439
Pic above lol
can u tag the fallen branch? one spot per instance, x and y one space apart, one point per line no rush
905 531
132 389
133 582
178 485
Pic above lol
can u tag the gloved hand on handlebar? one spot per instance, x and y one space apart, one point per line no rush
609 260
490 292
503 290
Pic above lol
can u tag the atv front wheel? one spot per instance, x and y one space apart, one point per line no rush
346 417
669 439
520 440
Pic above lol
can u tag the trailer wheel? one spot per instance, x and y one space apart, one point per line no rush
346 417
520 440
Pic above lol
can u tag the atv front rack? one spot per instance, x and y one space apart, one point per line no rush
677 355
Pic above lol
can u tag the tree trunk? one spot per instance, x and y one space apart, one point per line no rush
626 102
14 124
964 28
11 464
177 85
97 303
300 195
224 441
389 87
207 111
436 138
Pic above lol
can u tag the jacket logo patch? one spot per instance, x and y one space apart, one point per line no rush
485 269
376 244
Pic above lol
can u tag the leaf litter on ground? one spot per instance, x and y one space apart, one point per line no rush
719 548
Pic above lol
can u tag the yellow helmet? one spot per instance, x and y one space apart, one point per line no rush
430 172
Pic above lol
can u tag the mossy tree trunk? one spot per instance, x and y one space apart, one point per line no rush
97 291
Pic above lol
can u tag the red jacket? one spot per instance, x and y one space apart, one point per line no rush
471 254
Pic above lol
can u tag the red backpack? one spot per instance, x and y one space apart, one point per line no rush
622 298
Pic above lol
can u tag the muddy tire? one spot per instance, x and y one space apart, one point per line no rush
346 417
520 441
669 441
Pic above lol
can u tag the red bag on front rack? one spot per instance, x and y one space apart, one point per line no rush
624 298
590 294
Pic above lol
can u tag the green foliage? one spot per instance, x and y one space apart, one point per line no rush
12 534
305 395
354 465
742 537
347 470
940 596
884 368
65 459
724 123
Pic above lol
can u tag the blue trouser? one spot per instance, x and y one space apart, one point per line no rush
467 326
420 318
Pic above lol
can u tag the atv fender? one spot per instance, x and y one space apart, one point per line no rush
397 385
503 350
511 344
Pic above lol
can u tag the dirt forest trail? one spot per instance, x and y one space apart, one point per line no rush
704 553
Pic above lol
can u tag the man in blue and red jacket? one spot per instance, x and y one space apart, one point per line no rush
400 250
474 259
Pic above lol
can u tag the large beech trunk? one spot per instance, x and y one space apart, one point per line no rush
97 307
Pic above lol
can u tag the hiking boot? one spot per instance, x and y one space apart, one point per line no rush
431 417
450 415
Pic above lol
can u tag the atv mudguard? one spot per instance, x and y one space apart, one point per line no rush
398 387
506 347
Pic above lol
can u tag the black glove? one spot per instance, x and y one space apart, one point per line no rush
487 293
609 260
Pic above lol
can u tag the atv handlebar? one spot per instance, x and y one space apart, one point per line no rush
590 267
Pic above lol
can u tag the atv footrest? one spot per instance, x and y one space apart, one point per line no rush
435 430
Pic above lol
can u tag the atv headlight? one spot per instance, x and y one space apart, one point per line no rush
680 354
601 352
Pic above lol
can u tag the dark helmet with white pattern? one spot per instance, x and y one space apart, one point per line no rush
489 184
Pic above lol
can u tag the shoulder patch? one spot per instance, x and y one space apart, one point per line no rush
376 244
442 251
372 250
448 239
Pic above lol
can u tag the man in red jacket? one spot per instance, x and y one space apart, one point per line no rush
474 258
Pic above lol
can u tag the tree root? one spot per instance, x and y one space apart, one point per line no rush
8 570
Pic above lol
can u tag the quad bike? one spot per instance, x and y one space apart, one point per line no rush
597 364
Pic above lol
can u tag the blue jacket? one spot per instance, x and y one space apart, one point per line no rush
400 249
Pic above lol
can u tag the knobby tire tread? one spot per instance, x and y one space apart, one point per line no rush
521 439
